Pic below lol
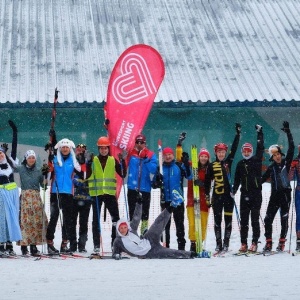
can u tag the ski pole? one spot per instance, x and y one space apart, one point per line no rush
237 213
63 227
98 210
125 198
292 217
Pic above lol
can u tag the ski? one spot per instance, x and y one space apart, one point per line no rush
197 209
222 253
98 256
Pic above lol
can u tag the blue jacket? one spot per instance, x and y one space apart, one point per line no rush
173 175
63 176
143 167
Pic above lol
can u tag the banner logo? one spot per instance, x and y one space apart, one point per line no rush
135 82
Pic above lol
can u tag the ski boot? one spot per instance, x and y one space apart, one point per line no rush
268 246
24 251
64 248
281 245
34 251
225 245
193 246
181 245
51 249
219 246
73 246
243 248
9 249
253 247
2 249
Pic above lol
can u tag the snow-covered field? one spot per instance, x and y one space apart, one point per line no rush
258 277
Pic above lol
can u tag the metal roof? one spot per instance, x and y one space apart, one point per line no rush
213 50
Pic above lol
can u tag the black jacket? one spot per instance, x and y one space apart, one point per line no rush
220 172
248 171
278 173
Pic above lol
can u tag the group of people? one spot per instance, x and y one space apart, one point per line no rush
80 180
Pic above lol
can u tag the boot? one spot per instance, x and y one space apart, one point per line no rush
9 249
244 247
281 244
181 245
51 249
253 247
81 243
268 246
34 251
24 250
193 246
64 248
225 245
73 246
219 245
2 250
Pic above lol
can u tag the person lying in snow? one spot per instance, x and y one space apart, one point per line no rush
148 245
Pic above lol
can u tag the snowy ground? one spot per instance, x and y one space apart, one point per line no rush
259 277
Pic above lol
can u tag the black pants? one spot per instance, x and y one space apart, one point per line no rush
132 199
220 203
82 211
278 200
250 203
112 206
178 215
66 204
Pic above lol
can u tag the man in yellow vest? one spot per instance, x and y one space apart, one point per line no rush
101 174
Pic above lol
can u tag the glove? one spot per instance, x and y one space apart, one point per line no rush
143 153
286 127
238 128
185 158
89 156
258 128
12 125
5 147
157 182
52 132
181 138
294 163
122 155
207 199
199 182
45 169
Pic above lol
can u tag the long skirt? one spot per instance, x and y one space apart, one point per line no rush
33 219
9 213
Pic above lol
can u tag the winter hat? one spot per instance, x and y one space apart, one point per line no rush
29 153
249 148
119 223
168 150
274 149
70 144
140 138
204 151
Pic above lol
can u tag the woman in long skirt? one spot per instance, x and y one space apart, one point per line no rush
33 219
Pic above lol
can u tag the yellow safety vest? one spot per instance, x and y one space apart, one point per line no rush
103 181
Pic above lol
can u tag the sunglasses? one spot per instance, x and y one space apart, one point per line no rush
140 142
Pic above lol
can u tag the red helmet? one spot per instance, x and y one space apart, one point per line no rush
220 146
140 138
103 141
